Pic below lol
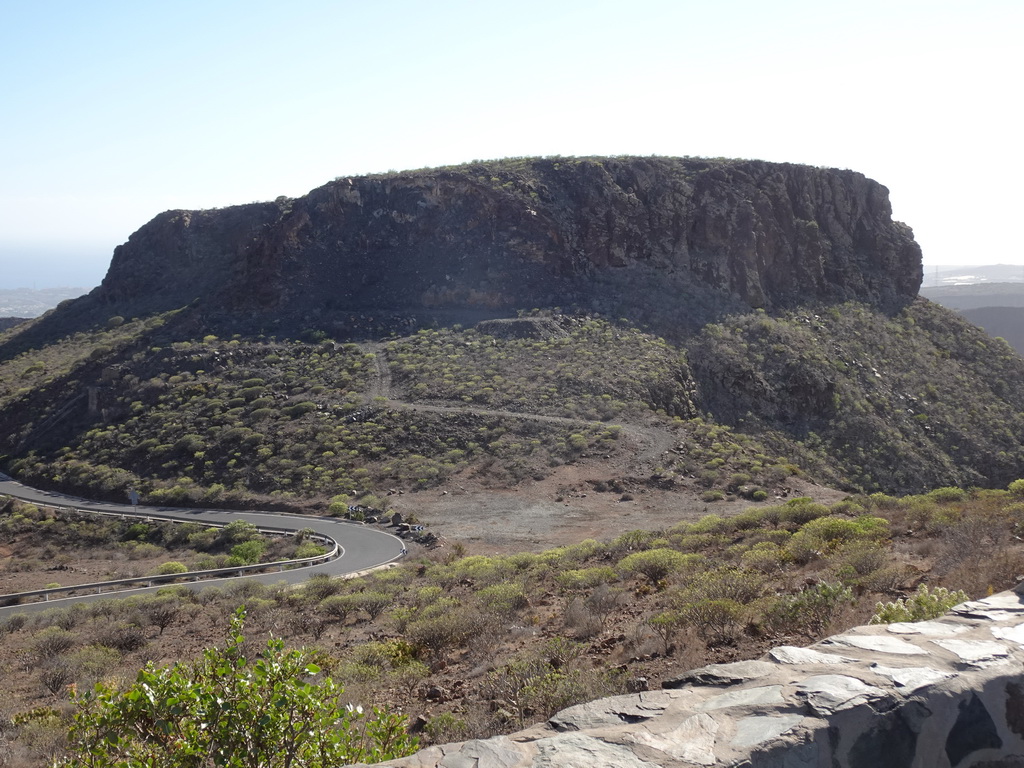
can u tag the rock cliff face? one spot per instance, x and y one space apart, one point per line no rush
639 236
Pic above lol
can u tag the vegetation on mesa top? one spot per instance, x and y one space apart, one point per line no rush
443 636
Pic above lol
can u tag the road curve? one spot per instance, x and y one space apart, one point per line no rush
363 547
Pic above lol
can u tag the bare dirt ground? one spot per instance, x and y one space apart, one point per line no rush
22 572
565 508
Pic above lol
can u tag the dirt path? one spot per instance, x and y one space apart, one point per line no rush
655 441
563 507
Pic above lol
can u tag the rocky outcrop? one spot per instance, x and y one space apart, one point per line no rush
645 237
183 255
937 694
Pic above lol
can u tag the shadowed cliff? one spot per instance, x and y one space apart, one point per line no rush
666 241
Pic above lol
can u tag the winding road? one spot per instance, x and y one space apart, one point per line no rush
362 547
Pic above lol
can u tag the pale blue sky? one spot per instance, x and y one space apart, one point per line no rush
111 112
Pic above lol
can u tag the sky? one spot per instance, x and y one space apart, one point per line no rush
112 112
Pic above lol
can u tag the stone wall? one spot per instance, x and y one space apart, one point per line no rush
936 694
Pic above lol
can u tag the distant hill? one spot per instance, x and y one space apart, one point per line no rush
1005 322
976 295
996 307
28 302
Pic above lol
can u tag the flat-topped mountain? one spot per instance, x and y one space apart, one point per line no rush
736 322
667 241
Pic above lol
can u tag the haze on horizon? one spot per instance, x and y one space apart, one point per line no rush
116 111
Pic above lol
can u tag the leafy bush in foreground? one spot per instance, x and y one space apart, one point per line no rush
225 710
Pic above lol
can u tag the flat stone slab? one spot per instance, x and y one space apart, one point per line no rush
826 694
1002 607
929 628
911 678
765 695
693 741
1014 634
1010 601
499 752
975 652
757 729
576 750
722 674
879 644
791 654
616 710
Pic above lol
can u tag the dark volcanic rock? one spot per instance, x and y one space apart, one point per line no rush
663 240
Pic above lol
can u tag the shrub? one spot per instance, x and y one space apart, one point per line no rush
765 556
52 641
249 552
503 599
169 568
947 495
716 621
308 549
810 609
578 579
56 675
320 586
446 727
666 625
436 634
162 612
123 636
91 663
225 709
655 564
374 603
920 606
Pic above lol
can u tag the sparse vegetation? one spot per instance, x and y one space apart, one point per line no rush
484 644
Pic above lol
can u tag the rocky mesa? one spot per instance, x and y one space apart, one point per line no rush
667 241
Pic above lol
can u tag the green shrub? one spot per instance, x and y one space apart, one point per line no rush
169 568
503 599
810 610
947 495
715 621
920 606
226 709
765 556
655 564
249 552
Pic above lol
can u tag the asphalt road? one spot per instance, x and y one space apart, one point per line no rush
363 547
